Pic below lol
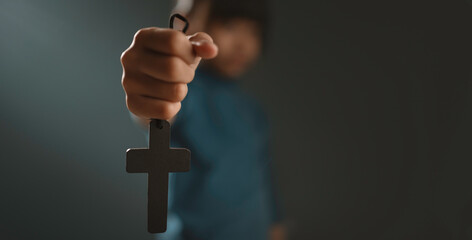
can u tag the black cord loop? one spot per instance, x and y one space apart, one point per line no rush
176 15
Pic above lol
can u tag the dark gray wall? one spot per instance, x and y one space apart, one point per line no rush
372 107
370 104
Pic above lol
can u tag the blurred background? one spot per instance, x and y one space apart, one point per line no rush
370 103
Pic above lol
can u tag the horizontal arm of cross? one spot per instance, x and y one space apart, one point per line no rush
137 160
179 160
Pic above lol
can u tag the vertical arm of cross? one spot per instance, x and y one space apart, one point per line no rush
158 161
159 135
158 182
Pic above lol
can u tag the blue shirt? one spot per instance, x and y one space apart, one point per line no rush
228 193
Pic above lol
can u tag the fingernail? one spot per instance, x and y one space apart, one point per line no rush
195 43
191 36
199 43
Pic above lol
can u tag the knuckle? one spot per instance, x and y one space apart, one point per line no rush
131 103
123 55
126 83
173 68
175 40
126 57
139 35
199 36
205 36
191 75
179 91
166 111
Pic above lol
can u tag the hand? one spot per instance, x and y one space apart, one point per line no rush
278 232
157 68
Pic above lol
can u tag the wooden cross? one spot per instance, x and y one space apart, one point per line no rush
158 161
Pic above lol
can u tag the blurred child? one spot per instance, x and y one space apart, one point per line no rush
228 193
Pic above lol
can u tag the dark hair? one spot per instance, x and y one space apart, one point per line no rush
256 10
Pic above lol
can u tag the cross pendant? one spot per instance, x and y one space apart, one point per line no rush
158 161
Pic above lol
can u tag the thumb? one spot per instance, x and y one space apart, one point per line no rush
203 45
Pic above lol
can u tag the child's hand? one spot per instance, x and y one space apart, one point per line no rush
157 67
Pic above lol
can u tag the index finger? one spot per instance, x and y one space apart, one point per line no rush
166 41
